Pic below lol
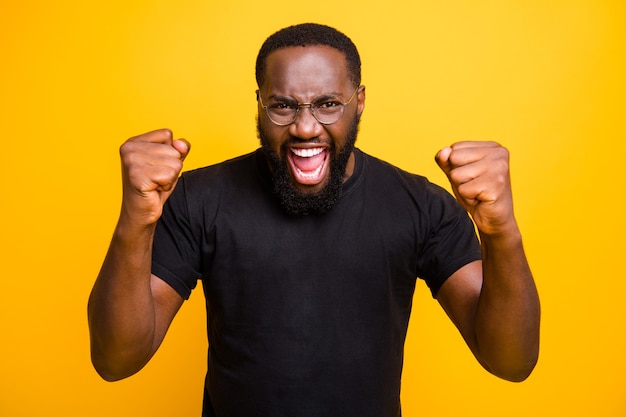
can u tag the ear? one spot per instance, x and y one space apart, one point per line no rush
360 97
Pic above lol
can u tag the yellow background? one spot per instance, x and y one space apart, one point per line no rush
544 78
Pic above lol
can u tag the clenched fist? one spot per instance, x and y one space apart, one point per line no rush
151 164
480 179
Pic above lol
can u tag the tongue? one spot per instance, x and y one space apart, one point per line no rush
308 164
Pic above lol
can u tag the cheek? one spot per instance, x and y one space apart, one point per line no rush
277 140
270 136
341 136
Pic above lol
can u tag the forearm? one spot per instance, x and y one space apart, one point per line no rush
121 307
508 312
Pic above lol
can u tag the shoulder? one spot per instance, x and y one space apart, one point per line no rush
238 166
385 175
239 173
203 190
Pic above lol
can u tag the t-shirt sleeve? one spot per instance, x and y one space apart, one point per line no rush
451 242
175 253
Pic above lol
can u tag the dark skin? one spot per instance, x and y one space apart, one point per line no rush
303 75
493 302
130 309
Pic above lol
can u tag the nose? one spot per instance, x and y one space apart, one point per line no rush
305 126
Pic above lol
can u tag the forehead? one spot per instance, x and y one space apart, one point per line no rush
306 71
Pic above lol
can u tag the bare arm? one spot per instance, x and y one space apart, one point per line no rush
130 309
494 303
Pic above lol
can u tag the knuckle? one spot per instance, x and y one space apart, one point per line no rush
503 153
170 174
458 176
177 165
125 148
166 174
129 151
454 176
466 191
502 166
455 156
130 159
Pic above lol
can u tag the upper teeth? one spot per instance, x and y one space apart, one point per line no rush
307 153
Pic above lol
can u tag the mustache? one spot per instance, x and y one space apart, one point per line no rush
294 142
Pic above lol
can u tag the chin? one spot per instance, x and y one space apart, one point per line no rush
299 199
310 188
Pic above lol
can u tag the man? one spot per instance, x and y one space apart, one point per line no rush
309 249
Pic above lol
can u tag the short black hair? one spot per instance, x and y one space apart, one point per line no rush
310 34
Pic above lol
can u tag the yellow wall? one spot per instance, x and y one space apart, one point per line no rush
544 78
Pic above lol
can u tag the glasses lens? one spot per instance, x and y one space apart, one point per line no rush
282 113
328 112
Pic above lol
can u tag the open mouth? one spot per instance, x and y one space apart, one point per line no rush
308 165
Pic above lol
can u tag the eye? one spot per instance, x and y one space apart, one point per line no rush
327 105
283 106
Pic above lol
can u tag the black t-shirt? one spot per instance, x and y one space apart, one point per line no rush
307 316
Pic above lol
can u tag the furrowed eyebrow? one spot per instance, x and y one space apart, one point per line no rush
324 97
282 98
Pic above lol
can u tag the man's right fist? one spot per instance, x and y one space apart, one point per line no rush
151 164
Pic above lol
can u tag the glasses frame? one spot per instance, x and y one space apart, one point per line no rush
311 109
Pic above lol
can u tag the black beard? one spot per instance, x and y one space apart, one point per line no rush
295 201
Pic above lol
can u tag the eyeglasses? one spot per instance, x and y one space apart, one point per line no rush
326 109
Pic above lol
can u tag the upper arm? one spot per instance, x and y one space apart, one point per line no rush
167 302
459 296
